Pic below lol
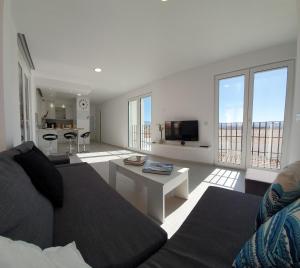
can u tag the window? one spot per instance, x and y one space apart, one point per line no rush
252 116
139 123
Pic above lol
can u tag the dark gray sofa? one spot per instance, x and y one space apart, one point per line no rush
109 232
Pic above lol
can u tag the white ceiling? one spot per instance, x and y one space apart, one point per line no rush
139 41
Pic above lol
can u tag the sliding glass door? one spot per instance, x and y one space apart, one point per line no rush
145 142
268 91
133 124
139 123
232 97
252 116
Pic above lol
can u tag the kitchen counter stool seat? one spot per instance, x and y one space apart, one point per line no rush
84 137
50 138
71 137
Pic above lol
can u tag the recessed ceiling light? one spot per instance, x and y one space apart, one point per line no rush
78 94
164 0
98 70
63 106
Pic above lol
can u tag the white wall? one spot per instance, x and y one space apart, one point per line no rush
10 78
294 152
2 116
185 95
83 118
93 122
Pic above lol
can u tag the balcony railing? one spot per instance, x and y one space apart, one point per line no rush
146 137
230 142
266 143
133 136
145 140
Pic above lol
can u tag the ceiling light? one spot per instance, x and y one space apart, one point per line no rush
164 0
78 94
98 70
51 105
63 106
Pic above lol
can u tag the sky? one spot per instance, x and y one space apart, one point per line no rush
268 97
147 109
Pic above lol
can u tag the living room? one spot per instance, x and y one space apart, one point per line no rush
205 92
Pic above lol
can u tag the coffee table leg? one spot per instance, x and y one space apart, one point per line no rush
156 202
112 175
182 190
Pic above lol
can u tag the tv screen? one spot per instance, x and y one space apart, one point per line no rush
181 130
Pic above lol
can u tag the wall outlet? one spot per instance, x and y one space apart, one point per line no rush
298 117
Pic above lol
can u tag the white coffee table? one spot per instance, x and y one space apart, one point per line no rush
158 186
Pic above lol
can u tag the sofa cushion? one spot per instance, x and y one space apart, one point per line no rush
213 233
43 174
25 214
284 191
108 231
276 243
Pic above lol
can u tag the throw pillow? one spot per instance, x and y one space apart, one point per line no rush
276 243
25 214
26 255
44 176
281 193
38 151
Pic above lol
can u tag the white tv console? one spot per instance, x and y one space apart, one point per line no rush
188 152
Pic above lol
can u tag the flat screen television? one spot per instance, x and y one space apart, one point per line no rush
182 130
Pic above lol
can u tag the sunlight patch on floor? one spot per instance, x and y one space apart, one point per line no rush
100 157
223 178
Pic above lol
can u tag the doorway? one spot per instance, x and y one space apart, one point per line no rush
253 116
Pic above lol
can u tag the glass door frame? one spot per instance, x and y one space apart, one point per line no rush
248 110
137 125
244 73
290 65
26 98
139 107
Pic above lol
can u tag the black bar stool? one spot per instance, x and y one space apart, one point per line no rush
50 138
84 136
71 137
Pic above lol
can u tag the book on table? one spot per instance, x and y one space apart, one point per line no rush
158 168
136 160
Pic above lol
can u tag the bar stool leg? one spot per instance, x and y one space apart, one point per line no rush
70 147
48 148
84 150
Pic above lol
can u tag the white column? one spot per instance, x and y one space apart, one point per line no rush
83 115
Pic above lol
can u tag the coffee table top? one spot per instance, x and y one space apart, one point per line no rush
161 179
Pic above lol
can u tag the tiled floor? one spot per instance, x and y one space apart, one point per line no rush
201 176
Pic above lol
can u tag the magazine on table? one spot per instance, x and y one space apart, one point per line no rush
158 168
